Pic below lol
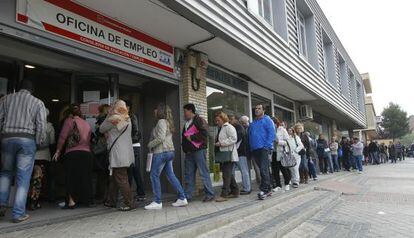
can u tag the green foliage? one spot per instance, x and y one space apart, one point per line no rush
395 121
407 140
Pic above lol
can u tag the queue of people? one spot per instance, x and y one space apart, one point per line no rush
112 150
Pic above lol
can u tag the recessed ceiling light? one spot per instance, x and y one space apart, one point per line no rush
29 66
55 100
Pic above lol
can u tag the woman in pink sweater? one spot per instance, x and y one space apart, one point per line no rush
75 139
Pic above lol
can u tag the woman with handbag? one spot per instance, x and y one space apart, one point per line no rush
304 154
162 147
117 129
226 155
280 145
75 137
296 146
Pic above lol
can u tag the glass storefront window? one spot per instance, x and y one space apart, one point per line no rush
285 115
230 102
267 104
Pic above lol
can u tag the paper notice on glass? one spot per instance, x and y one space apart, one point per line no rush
91 96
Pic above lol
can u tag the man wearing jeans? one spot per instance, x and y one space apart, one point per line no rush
22 126
242 149
261 136
357 151
194 144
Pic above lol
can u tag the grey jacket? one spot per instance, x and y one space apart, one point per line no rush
122 154
161 138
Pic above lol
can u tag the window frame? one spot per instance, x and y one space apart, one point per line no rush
302 41
261 11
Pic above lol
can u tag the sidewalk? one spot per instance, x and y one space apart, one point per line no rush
142 223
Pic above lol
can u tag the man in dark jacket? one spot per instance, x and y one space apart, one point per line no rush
346 150
325 160
242 150
135 169
373 151
194 144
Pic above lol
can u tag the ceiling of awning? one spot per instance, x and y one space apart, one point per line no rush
152 18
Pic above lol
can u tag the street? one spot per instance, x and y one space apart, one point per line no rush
377 203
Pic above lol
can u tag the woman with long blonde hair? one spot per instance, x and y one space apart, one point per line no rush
162 147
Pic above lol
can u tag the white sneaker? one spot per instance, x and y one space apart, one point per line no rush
154 206
180 203
287 187
360 172
277 189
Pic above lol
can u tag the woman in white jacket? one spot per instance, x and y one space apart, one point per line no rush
226 141
280 143
296 145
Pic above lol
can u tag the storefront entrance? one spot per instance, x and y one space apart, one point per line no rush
62 79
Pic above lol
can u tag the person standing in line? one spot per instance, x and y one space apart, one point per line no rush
373 151
392 152
226 142
245 122
74 145
134 172
296 146
346 150
22 127
325 159
312 156
280 145
357 151
242 150
398 150
162 146
261 137
194 144
101 158
334 146
117 128
304 153
43 159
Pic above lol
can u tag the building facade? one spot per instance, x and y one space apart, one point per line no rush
220 55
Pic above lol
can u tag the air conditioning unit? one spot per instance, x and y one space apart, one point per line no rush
305 112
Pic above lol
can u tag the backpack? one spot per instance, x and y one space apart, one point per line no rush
73 137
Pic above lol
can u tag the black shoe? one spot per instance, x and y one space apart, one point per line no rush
208 199
262 195
69 207
140 198
245 192
2 211
295 185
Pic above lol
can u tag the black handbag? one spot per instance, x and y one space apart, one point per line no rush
223 156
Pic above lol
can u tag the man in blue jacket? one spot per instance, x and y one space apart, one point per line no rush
261 136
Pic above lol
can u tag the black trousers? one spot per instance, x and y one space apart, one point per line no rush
229 182
276 169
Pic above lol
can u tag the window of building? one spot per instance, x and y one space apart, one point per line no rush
222 99
265 10
343 76
351 86
302 35
285 116
358 96
329 60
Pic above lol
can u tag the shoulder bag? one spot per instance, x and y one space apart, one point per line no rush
287 160
302 152
73 137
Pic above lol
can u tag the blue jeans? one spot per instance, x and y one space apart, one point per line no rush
262 159
17 155
160 162
312 167
335 162
330 164
358 161
193 161
244 169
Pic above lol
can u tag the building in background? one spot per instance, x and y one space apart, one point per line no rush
220 55
372 129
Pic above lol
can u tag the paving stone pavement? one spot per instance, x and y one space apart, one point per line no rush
378 203
384 207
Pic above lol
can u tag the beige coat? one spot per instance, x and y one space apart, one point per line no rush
228 139
122 154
